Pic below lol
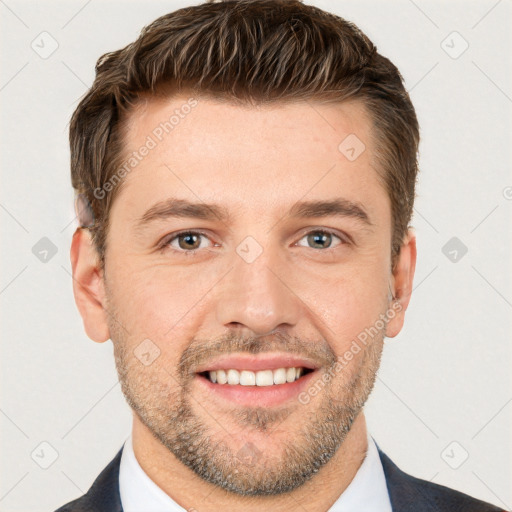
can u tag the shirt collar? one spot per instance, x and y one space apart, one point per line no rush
367 492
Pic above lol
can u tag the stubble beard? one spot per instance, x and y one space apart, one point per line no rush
166 407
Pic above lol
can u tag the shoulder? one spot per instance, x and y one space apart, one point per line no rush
408 493
103 496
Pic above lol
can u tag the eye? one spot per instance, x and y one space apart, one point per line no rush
186 241
321 239
190 242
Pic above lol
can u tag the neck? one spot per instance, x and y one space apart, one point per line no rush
193 493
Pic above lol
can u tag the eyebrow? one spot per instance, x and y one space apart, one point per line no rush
336 207
184 209
181 208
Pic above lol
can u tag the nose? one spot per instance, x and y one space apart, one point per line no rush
258 296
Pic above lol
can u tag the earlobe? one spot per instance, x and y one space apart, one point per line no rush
402 280
88 286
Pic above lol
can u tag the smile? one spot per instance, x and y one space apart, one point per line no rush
233 377
264 380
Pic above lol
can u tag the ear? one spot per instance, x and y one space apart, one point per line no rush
88 286
401 284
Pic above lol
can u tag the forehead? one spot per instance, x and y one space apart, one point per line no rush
180 114
258 155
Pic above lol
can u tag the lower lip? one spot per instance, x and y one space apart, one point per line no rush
257 396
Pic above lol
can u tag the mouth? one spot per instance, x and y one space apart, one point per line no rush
256 382
260 378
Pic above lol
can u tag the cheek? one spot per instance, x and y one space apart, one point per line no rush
158 302
350 304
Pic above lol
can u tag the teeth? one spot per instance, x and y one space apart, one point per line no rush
280 376
260 378
247 378
265 378
233 377
290 374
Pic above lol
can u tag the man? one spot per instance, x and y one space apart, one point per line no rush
245 174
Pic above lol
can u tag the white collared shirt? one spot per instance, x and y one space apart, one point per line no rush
367 492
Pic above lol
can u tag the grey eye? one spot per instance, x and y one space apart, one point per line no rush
320 239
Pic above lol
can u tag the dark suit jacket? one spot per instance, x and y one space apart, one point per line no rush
407 493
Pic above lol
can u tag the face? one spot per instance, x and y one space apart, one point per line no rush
246 247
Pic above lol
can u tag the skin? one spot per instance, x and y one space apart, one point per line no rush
257 162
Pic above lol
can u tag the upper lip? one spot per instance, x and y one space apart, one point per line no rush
255 363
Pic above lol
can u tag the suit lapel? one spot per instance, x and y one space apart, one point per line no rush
103 496
404 494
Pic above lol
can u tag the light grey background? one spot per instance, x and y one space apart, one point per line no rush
444 390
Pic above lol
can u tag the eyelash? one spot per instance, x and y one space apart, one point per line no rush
166 244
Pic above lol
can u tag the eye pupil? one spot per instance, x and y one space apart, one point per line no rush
188 240
319 238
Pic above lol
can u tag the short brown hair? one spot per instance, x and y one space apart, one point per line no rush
246 51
